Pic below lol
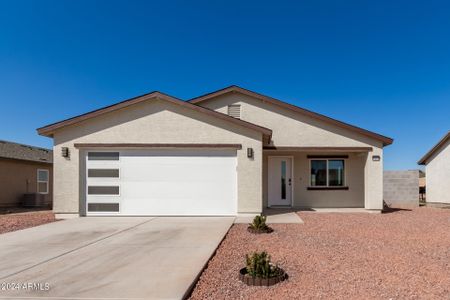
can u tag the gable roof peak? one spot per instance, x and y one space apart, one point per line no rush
48 130
437 147
234 88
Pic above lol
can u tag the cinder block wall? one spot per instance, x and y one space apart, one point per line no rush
401 188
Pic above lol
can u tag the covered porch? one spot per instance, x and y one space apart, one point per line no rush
319 177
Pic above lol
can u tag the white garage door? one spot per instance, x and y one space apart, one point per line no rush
161 182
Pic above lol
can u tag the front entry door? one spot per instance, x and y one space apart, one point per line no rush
280 181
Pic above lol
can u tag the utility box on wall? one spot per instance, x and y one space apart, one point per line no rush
401 188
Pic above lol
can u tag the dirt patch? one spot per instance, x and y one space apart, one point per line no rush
17 221
402 254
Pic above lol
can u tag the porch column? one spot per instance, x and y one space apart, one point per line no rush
373 181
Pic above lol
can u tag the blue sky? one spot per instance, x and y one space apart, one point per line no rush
380 65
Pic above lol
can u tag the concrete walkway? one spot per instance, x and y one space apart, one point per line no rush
274 216
344 210
109 258
289 215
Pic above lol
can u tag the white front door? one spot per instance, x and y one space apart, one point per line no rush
280 181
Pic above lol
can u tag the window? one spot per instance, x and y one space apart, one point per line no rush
103 207
103 173
336 173
318 172
103 156
234 110
327 172
103 190
42 181
283 179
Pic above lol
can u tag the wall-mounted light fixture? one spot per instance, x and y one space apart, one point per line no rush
250 152
376 158
65 152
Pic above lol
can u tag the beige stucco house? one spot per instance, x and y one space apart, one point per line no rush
437 169
229 152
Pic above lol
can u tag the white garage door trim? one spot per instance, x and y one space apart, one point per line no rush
185 182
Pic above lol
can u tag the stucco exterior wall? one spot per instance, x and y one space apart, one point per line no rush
373 179
401 188
438 176
154 122
290 128
18 177
296 130
354 179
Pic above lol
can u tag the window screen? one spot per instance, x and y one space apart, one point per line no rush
42 175
42 187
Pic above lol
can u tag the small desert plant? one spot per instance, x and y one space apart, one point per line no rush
259 265
259 224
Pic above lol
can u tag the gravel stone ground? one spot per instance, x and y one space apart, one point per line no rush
397 255
17 221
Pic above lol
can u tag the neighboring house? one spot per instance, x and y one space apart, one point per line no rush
437 169
24 170
230 152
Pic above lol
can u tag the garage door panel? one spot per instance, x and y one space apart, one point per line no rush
176 170
172 207
175 176
168 190
104 199
171 182
170 153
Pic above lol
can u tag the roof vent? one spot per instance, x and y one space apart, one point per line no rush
234 110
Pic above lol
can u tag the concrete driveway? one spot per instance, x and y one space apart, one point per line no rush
108 258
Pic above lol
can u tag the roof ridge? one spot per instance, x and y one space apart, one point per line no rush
386 140
25 145
436 147
48 129
101 108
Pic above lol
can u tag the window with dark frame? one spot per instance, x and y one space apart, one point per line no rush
327 173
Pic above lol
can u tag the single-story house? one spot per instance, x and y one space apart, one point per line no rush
437 168
24 170
230 152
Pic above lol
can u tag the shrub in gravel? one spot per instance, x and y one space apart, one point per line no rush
259 225
260 271
258 265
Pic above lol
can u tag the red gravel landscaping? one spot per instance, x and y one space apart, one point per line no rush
398 255
17 221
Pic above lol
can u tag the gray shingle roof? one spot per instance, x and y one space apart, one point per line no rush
25 152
